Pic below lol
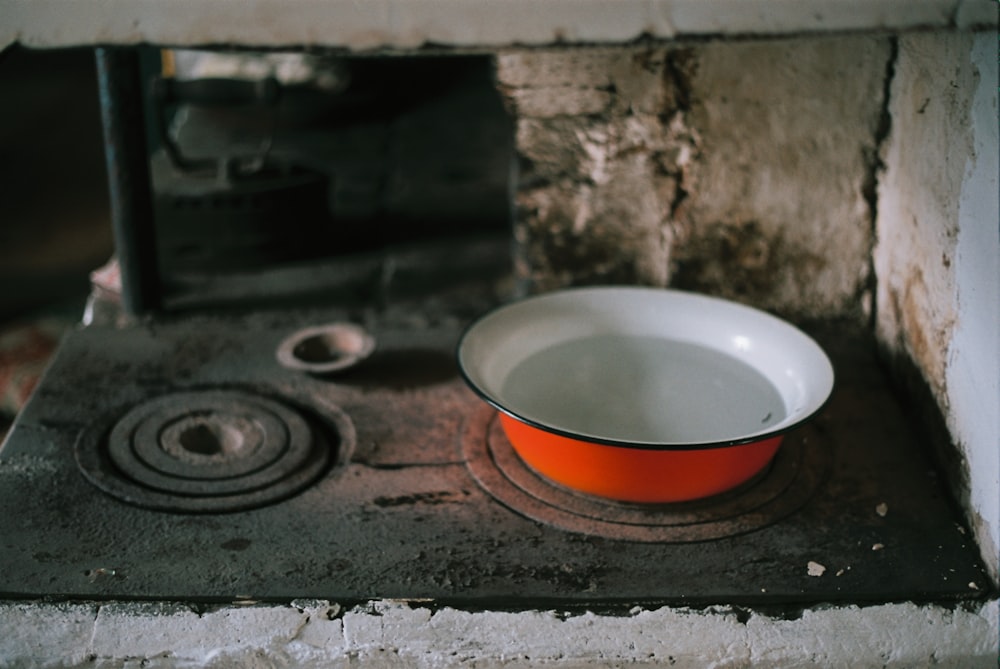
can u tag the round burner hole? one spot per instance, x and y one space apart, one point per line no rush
321 348
324 349
204 439
220 435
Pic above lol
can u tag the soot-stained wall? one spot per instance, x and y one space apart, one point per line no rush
743 169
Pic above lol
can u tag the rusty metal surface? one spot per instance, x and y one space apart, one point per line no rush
405 518
789 482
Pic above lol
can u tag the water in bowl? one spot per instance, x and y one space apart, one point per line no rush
642 390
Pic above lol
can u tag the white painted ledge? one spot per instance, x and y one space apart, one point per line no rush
407 24
317 634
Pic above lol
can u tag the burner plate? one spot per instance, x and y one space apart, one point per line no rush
208 451
798 469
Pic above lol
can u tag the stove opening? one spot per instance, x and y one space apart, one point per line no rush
273 160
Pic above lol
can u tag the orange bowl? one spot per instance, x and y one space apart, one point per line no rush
636 474
644 395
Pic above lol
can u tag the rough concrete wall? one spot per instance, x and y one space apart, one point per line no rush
936 258
779 214
729 168
602 145
396 634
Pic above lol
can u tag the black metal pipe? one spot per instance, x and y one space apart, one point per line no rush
127 157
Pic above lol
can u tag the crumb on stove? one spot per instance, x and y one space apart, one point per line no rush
815 568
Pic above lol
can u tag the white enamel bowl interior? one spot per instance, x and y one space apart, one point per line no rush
646 367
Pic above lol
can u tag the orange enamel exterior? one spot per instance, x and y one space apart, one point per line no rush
634 474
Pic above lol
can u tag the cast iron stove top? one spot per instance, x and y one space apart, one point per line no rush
404 488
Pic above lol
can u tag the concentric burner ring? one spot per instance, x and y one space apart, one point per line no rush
208 451
797 471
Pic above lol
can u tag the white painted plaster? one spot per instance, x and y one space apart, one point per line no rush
973 372
369 24
918 199
45 635
936 260
394 634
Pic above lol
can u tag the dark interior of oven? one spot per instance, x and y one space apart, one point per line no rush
366 153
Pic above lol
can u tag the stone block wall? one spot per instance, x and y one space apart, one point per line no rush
739 168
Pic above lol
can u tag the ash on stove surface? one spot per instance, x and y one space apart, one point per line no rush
402 516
